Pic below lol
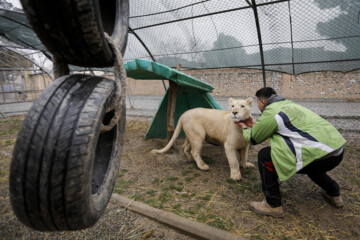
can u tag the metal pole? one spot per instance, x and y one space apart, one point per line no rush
14 87
24 85
44 80
2 79
254 7
32 88
292 42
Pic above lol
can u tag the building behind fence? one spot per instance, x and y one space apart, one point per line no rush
21 85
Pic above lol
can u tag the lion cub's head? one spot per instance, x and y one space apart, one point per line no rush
240 109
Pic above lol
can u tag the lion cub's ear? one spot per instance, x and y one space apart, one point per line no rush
231 100
249 101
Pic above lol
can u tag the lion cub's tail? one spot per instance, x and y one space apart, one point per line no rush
172 140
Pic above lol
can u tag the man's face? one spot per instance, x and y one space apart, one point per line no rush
261 104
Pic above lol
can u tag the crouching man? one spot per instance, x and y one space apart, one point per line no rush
300 142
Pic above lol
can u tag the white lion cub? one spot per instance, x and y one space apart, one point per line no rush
215 126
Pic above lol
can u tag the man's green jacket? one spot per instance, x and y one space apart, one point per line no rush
297 135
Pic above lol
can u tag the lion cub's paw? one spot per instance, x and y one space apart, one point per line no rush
203 167
249 165
235 176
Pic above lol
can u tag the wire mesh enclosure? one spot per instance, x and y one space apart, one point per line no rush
292 36
24 74
289 36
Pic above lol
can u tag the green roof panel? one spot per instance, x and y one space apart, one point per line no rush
145 69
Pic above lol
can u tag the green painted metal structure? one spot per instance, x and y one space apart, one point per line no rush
191 93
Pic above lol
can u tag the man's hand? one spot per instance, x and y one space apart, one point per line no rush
249 122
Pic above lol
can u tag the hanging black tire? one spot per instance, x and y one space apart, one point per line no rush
74 29
63 169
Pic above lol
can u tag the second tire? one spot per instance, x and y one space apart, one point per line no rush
74 29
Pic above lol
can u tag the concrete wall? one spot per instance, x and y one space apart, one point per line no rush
325 85
245 82
34 84
147 87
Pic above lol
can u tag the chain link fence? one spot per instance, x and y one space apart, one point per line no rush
287 36
296 36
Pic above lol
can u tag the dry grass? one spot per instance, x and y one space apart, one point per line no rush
171 183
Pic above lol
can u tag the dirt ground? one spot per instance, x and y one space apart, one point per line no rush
116 223
171 183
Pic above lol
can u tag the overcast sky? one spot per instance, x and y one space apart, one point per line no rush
15 3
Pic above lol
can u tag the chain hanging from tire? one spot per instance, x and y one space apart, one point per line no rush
60 68
120 85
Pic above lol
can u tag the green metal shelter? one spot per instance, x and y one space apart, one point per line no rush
185 92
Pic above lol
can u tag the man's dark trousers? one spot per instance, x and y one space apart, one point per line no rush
315 170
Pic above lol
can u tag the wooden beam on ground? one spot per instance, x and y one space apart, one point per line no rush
197 229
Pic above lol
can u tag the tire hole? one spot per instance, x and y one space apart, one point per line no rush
108 15
108 116
103 155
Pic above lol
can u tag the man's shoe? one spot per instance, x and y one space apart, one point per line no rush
335 201
264 208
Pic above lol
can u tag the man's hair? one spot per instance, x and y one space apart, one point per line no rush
265 93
